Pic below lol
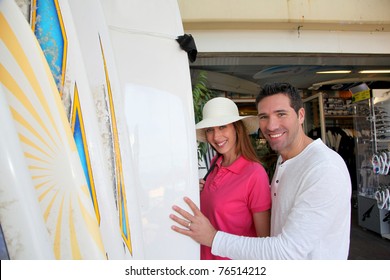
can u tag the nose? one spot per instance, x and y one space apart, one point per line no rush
217 133
271 123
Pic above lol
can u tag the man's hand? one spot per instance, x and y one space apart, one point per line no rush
197 226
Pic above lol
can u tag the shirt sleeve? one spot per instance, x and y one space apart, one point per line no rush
316 208
259 192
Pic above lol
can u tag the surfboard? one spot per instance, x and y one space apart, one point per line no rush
48 148
96 52
149 201
152 76
52 22
20 214
127 115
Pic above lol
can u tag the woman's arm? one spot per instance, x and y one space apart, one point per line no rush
262 223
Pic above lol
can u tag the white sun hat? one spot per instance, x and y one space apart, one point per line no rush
222 111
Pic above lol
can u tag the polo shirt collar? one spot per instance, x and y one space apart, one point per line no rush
236 167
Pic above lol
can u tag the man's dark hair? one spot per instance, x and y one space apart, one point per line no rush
283 88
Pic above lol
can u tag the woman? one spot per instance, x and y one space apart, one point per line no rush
235 196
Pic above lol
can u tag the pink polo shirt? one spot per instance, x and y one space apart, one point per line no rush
230 197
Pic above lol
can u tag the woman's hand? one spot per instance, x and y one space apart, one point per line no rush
197 226
201 184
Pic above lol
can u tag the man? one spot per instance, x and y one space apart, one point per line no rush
311 190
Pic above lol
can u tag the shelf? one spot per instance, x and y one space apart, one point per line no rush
367 196
383 140
386 235
371 217
340 116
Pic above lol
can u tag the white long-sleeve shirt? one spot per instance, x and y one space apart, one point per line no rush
311 210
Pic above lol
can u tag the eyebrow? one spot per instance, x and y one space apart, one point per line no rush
273 112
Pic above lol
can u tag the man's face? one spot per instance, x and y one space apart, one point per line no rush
280 124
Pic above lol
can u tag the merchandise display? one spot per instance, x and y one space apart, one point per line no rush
330 116
373 161
358 128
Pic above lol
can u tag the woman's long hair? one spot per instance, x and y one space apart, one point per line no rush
244 145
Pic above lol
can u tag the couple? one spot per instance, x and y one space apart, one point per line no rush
310 189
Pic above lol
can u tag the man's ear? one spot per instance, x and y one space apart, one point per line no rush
301 115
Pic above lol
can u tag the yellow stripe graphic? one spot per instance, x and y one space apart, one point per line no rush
20 119
57 235
92 227
10 83
76 111
76 254
31 156
121 192
13 45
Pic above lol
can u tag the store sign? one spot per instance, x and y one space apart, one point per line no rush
360 93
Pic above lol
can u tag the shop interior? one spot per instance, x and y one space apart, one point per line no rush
347 104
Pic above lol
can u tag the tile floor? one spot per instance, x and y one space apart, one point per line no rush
366 244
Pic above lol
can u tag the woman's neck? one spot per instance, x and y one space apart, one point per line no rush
229 159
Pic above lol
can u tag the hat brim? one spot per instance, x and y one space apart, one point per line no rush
251 124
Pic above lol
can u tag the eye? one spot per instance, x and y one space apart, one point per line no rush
262 117
222 127
209 130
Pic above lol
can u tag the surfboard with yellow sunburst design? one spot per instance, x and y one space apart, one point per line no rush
47 144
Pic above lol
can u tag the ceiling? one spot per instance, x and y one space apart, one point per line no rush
246 73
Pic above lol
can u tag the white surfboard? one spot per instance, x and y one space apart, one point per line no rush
52 22
141 140
156 197
46 143
28 237
153 77
96 54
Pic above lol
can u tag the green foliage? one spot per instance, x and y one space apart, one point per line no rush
201 94
265 154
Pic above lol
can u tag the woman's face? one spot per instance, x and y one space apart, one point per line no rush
223 138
